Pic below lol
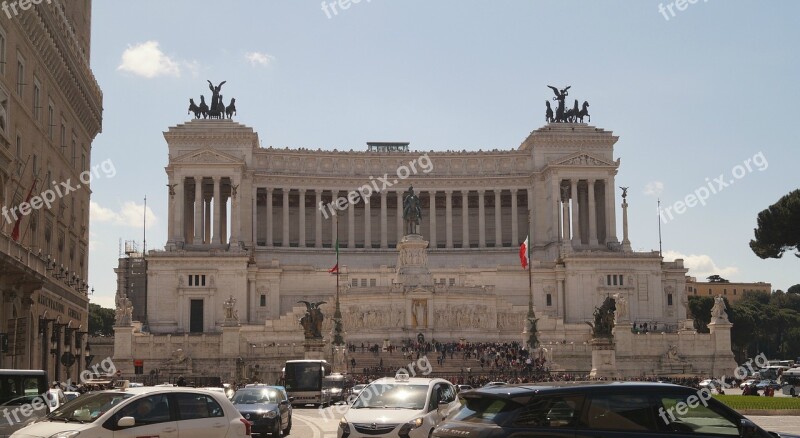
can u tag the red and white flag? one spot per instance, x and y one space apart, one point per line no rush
524 255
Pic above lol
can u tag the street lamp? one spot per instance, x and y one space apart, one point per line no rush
44 324
55 347
87 353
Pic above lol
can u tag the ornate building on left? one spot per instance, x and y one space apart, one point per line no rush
50 112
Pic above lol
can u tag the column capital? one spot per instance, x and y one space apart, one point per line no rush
384 194
302 191
448 192
498 191
269 189
514 191
481 192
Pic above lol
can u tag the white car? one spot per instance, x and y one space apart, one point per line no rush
176 412
400 406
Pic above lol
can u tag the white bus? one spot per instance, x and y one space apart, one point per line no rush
303 380
791 379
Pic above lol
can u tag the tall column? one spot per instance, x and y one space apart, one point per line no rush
465 219
576 214
223 218
217 210
432 200
235 217
318 219
498 213
302 213
384 234
351 225
254 225
611 225
285 239
626 244
481 220
334 219
592 213
207 222
171 210
565 227
198 210
367 225
515 220
448 214
400 231
270 217
180 219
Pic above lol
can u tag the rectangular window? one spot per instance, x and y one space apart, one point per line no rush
614 278
2 51
363 282
51 120
37 99
354 282
197 280
608 280
620 280
190 280
196 316
63 137
263 300
669 299
20 75
202 280
452 282
373 282
549 300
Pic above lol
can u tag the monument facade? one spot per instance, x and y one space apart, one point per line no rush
247 228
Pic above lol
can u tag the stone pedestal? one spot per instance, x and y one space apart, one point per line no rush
314 349
604 359
724 362
412 263
123 342
230 341
339 358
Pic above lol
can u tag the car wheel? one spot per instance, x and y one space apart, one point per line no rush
288 427
276 431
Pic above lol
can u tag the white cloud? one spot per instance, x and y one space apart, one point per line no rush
147 60
257 58
701 265
129 215
654 188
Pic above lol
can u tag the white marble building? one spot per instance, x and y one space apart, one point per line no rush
245 223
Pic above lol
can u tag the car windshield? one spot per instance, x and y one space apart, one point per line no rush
89 407
391 396
256 395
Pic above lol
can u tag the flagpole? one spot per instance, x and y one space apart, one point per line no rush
530 274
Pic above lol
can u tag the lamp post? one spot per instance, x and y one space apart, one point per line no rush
55 347
87 353
68 357
43 330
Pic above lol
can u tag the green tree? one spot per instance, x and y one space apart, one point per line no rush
101 320
777 228
794 289
700 307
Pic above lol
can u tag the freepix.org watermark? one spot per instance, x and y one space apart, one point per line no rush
329 7
682 408
714 186
59 190
419 367
680 5
20 413
376 185
24 5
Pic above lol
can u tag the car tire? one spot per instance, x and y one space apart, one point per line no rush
288 427
276 431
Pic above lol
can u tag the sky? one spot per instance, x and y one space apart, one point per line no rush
683 88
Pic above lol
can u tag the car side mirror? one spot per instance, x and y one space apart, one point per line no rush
126 422
747 429
291 399
284 402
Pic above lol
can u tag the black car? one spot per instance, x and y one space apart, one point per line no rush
267 408
594 409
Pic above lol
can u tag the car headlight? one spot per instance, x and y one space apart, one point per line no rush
343 425
408 427
65 434
271 414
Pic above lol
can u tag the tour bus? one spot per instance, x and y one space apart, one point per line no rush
20 383
304 381
791 379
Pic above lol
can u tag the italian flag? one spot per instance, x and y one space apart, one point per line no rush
335 268
524 254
